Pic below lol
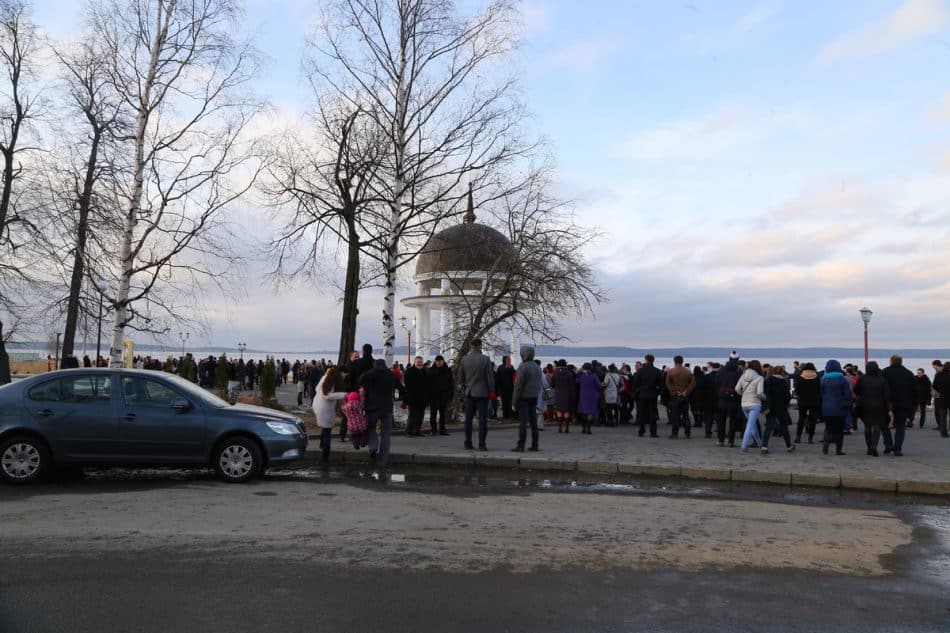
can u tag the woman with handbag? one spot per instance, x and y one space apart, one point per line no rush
835 404
872 405
751 388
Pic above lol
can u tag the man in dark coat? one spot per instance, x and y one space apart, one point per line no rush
441 392
941 388
416 381
505 384
728 404
380 383
900 381
646 384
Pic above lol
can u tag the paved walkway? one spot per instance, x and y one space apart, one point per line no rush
924 468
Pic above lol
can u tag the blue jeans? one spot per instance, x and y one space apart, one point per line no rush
751 426
901 415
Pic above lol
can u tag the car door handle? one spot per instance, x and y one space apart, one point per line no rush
128 416
45 413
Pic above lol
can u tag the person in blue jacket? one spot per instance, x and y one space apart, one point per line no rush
835 404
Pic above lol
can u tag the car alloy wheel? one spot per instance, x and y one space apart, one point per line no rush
237 460
22 460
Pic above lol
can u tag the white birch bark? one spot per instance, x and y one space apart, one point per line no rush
121 305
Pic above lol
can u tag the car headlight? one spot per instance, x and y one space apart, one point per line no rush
283 428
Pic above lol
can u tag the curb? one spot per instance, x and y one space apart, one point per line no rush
668 471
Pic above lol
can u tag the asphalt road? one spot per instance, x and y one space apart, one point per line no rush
448 552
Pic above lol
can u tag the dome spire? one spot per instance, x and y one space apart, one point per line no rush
470 213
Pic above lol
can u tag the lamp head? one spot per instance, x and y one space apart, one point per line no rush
866 314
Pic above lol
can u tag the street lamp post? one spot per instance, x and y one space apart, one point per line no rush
99 333
241 348
405 325
866 317
184 337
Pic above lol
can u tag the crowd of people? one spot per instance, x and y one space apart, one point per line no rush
737 403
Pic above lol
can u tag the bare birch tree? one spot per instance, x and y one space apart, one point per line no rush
19 106
182 78
439 92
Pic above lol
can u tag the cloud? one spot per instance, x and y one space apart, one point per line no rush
582 55
727 133
758 16
912 20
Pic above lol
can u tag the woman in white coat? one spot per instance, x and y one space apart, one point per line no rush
329 392
751 387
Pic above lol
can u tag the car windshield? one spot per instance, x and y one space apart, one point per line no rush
195 392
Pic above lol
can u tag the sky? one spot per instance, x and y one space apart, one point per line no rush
759 170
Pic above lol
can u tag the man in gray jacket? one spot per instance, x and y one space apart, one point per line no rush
478 381
525 398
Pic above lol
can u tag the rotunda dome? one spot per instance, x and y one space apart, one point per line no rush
469 246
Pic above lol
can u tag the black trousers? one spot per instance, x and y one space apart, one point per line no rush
923 413
528 416
417 413
437 410
807 419
506 410
680 415
777 422
732 413
709 418
472 405
940 412
647 414
834 431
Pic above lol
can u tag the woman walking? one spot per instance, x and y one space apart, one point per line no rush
751 389
873 404
329 391
589 390
835 404
778 394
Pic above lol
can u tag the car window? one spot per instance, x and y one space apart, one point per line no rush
85 388
45 392
142 391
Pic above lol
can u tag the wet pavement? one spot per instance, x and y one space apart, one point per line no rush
464 549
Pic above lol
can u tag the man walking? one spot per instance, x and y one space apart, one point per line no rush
900 381
680 383
525 396
477 381
380 384
646 384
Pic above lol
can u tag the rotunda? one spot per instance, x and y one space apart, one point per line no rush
455 266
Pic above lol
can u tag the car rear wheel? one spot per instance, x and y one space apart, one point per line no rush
23 459
237 459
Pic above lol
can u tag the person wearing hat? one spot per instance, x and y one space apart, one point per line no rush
441 390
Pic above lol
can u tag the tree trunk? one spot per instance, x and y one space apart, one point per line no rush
121 304
350 299
75 283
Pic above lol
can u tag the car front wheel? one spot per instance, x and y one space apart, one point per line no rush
237 459
23 459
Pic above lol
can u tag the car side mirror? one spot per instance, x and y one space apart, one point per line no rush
181 405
